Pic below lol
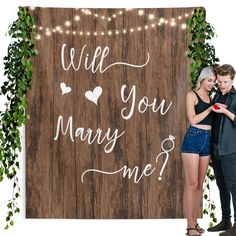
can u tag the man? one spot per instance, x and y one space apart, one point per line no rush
224 146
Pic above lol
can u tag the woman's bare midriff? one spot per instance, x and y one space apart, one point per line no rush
205 127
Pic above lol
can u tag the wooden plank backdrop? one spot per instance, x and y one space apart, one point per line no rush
72 169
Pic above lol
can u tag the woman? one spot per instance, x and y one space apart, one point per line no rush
196 147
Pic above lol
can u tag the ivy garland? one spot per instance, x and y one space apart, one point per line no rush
202 54
18 70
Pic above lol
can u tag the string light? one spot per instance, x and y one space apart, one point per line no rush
162 20
174 21
183 26
77 18
109 18
86 11
120 12
151 17
58 28
140 12
67 23
48 33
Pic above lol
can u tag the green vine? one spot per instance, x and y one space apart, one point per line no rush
18 71
202 54
200 49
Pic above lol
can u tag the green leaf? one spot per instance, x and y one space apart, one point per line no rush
17 210
212 215
6 227
205 212
10 214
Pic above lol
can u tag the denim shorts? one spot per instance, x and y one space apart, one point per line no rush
197 141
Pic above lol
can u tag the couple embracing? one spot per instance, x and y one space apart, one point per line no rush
211 136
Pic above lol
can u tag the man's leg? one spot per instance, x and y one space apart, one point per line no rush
229 167
224 196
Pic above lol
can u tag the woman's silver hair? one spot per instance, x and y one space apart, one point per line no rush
205 73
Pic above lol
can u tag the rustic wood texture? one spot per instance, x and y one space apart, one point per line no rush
54 167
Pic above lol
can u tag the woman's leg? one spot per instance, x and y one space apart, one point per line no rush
191 169
202 169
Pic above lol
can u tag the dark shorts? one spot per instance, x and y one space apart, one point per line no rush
197 141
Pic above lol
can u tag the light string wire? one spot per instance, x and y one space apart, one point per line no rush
171 21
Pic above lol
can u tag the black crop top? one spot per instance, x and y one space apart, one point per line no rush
202 106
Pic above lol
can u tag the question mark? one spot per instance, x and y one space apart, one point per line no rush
165 151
